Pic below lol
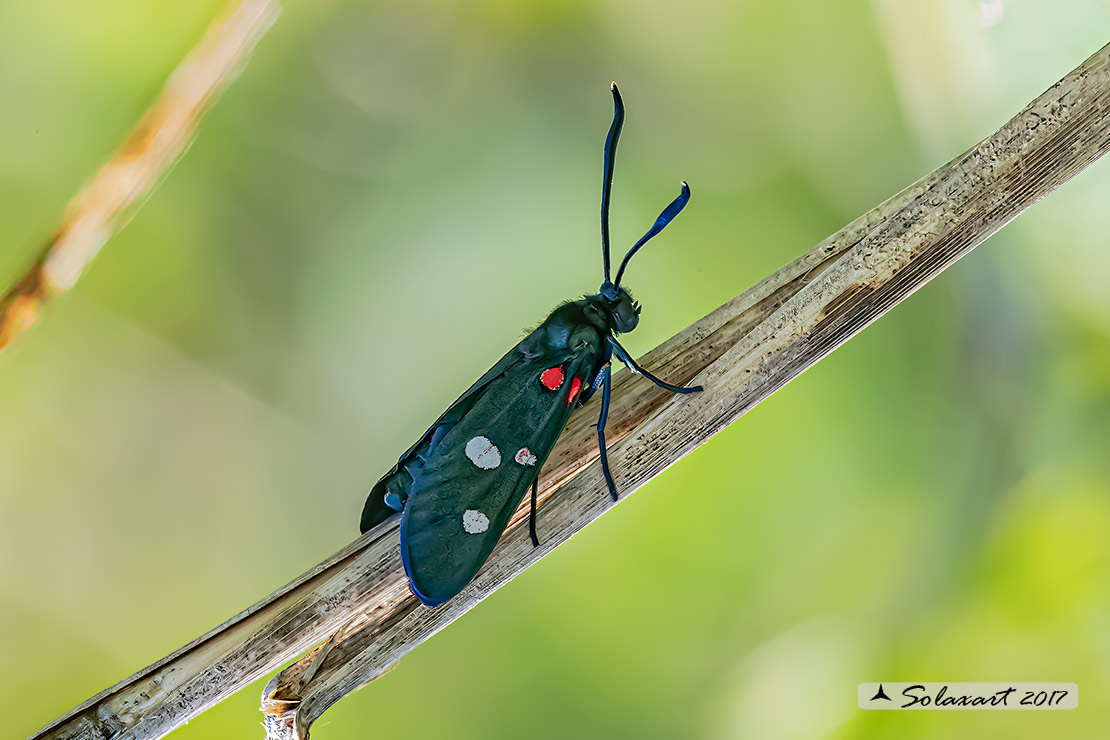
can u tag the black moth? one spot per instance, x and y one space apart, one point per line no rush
459 485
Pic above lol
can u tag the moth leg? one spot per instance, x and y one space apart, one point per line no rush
602 419
397 488
532 513
626 358
438 433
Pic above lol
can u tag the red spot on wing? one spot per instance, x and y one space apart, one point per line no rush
552 378
575 385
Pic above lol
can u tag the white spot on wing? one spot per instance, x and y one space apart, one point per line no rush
524 456
475 522
483 453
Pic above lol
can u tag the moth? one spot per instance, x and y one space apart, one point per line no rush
458 486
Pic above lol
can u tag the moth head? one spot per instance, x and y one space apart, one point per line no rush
622 310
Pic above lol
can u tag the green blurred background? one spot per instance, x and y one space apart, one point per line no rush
198 421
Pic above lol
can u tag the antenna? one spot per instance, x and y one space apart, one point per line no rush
665 218
610 160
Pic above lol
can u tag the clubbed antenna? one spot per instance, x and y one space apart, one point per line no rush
665 218
610 160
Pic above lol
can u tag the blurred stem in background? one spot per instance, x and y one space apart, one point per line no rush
121 185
